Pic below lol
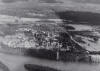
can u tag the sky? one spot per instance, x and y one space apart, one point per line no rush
88 5
88 1
52 1
11 1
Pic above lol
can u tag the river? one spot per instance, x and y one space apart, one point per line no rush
16 63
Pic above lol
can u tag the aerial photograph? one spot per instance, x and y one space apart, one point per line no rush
49 35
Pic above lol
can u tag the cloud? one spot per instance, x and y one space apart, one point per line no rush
88 1
49 1
10 1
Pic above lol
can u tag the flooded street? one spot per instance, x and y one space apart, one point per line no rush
16 63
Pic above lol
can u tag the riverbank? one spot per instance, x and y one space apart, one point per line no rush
47 54
16 63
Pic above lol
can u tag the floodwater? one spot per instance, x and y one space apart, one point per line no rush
16 63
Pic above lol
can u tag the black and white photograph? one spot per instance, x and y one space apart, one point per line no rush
49 35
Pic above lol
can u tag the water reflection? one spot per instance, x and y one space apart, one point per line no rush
3 67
